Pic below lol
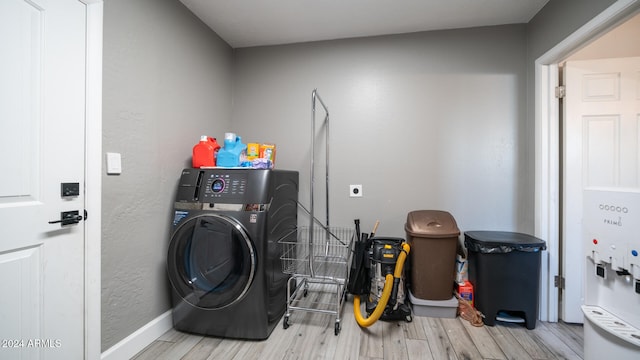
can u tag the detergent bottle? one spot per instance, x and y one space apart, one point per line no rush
204 152
231 154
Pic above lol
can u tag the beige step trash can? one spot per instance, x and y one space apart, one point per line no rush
433 237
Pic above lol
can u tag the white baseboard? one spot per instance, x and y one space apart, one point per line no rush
134 343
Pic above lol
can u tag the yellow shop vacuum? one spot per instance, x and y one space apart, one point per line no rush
376 273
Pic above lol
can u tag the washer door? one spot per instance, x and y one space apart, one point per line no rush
211 261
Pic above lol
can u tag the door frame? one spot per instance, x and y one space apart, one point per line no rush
547 144
93 179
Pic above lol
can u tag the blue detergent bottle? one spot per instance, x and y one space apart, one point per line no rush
230 155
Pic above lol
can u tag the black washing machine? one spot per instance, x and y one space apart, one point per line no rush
224 257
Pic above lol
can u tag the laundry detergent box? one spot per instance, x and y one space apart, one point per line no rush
253 151
268 151
465 290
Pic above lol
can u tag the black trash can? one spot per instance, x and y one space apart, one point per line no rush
504 268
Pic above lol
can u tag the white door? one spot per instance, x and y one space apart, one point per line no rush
601 131
42 125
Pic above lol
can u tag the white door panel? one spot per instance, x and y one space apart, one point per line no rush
42 125
20 93
20 274
601 134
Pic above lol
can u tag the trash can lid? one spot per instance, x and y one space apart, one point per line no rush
431 224
502 242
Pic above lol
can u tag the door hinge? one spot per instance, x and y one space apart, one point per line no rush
558 281
560 91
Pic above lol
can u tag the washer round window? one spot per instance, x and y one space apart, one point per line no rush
211 261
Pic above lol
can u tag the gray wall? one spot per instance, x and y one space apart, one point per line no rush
167 80
431 120
557 20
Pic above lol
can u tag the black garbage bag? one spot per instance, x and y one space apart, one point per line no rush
359 271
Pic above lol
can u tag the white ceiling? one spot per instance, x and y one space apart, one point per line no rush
243 23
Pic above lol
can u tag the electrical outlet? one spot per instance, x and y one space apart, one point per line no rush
355 190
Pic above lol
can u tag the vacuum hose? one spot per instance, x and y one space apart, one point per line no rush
386 292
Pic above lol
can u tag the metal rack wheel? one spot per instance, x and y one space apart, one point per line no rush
285 322
337 328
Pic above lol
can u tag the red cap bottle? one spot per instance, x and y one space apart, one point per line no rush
204 152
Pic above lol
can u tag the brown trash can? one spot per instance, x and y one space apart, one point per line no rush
433 237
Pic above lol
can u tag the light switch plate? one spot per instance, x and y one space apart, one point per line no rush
114 164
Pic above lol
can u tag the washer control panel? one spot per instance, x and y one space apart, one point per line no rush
221 185
230 186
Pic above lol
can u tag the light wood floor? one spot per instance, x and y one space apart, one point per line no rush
311 336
